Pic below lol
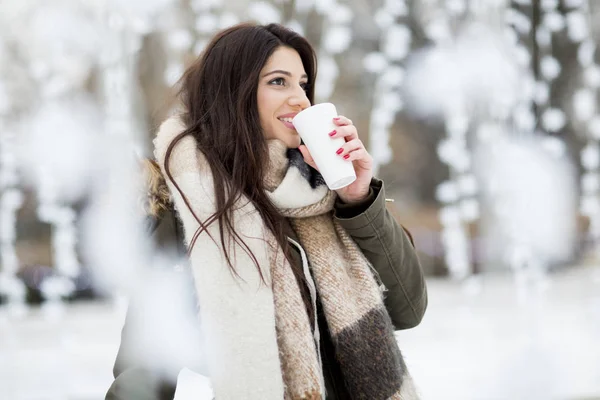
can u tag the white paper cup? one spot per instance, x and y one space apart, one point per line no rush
314 125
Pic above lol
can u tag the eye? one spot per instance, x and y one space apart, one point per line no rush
277 81
305 86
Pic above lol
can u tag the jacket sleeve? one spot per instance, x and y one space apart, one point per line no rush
389 248
132 380
137 382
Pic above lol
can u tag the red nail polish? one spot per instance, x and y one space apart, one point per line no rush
340 151
332 133
346 156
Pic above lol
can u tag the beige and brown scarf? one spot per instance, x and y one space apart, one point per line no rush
259 339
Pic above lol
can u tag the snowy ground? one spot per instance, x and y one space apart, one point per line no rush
489 346
469 346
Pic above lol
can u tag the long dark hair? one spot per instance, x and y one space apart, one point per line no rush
219 96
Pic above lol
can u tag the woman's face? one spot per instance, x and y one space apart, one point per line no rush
282 95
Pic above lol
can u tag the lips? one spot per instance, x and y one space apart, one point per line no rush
288 115
288 124
286 119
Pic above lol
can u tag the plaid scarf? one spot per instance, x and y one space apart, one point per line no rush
360 326
260 340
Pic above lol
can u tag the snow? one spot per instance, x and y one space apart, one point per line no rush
490 346
525 209
476 342
578 29
337 39
584 104
264 12
497 336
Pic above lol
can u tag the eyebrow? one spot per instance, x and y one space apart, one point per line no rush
280 71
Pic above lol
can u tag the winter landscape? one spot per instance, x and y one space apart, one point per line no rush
481 116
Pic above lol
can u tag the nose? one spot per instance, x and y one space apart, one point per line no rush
299 98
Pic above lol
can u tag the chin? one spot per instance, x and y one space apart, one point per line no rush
294 142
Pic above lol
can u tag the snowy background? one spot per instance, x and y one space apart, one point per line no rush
482 117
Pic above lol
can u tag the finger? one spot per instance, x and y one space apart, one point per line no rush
340 120
350 146
348 132
307 156
359 155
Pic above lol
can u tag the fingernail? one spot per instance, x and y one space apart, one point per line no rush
346 156
340 151
332 133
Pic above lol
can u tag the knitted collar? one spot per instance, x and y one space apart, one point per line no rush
292 184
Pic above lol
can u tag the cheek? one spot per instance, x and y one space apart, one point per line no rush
270 100
265 112
265 100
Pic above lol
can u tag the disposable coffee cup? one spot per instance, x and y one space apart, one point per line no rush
314 125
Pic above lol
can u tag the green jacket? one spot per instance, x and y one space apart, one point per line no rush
383 241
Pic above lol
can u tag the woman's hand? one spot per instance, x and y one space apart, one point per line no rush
355 152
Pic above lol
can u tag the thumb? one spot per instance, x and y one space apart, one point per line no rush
307 157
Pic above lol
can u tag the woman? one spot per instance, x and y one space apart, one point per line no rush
289 275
